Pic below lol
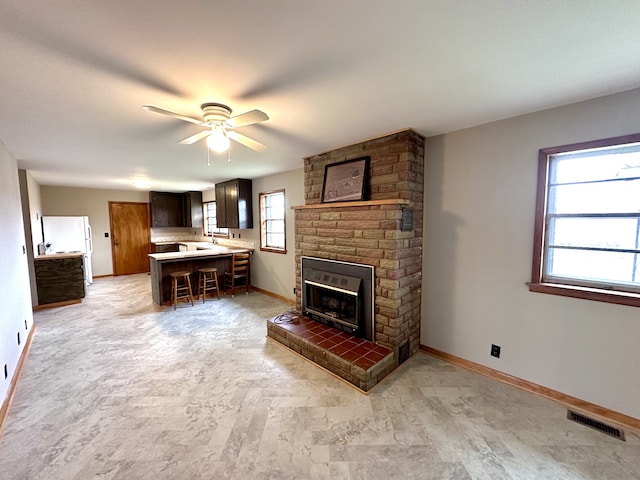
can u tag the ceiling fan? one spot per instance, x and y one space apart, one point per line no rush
220 125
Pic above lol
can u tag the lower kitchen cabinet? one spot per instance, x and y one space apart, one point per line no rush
59 278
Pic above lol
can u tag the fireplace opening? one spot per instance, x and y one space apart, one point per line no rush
334 298
339 294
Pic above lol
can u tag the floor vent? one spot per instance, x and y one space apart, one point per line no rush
595 424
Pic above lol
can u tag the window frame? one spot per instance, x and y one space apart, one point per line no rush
205 222
604 293
263 221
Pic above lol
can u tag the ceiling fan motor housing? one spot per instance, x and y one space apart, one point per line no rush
215 112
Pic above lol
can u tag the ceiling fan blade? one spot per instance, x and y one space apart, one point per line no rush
246 141
247 118
162 111
195 138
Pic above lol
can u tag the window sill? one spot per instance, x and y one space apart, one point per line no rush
585 293
273 250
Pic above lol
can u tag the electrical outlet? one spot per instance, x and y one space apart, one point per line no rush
6 371
495 351
294 290
18 338
26 327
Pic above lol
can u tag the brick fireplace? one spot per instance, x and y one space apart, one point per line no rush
383 231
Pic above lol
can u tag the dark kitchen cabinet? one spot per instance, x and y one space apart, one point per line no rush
165 247
59 278
234 207
193 209
166 209
170 209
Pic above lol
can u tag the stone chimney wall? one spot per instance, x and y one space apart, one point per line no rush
370 232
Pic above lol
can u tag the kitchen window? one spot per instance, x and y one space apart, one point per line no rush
587 230
272 222
210 223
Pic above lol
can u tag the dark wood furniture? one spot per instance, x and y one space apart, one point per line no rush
234 204
166 209
170 209
60 278
163 264
208 282
181 287
193 210
238 275
165 247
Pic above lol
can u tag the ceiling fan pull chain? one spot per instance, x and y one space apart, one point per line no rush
208 158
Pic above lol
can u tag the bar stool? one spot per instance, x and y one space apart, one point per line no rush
182 290
208 282
238 277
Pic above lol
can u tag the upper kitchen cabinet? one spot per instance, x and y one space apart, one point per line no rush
233 204
193 209
170 209
166 209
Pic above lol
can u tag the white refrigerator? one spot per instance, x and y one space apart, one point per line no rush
69 234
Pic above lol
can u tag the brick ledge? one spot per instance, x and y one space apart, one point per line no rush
363 203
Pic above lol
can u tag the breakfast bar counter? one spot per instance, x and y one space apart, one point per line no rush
164 264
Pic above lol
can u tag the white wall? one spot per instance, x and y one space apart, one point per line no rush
95 204
30 199
480 192
15 292
35 211
274 272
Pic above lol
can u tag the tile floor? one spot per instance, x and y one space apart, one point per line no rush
356 351
113 389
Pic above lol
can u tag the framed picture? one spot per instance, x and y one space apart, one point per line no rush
345 181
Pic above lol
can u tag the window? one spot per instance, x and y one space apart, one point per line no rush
272 227
210 226
587 232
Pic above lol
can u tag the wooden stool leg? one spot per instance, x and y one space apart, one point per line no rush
189 289
174 289
215 279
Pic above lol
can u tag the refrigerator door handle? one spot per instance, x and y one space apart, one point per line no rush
90 240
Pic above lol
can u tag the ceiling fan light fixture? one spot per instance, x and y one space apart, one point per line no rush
218 141
219 126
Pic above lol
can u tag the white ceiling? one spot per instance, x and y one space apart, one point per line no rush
75 73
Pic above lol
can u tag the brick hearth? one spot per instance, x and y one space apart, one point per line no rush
359 362
370 233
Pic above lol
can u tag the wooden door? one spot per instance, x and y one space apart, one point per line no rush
130 237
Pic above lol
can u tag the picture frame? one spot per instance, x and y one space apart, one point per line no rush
345 181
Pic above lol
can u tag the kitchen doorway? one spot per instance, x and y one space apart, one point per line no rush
130 237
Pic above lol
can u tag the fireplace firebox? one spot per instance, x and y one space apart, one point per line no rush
339 294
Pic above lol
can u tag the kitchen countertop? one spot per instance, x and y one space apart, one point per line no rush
53 256
204 249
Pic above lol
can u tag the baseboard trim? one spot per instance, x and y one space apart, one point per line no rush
577 404
107 275
57 304
273 295
4 411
